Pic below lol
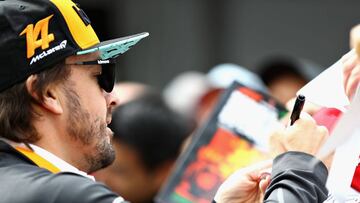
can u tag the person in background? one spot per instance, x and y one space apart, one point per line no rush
285 75
195 94
184 91
147 139
221 77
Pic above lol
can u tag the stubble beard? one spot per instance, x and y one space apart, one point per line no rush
89 131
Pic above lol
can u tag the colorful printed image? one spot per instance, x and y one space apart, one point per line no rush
213 164
235 137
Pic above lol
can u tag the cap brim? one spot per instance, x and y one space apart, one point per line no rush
115 47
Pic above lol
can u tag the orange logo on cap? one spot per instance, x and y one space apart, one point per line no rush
32 35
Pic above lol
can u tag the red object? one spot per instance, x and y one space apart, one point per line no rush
355 182
251 93
327 117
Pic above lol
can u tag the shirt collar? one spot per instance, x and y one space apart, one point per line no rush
58 162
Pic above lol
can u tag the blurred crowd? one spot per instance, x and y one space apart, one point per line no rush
191 97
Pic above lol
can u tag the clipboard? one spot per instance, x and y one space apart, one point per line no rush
235 136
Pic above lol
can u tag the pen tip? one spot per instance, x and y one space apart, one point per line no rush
301 97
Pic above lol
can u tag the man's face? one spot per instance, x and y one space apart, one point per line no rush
88 109
285 87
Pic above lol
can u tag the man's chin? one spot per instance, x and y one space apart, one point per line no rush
108 161
105 155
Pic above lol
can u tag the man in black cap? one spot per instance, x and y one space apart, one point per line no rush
55 102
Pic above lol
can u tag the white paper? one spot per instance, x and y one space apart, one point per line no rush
327 88
346 140
253 119
343 167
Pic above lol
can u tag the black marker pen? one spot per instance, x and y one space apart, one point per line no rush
298 106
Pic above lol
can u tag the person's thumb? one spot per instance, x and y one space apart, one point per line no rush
264 181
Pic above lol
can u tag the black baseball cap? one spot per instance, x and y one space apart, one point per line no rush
37 34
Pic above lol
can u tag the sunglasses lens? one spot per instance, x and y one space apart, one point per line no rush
107 78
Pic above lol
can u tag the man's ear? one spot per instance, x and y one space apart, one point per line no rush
49 99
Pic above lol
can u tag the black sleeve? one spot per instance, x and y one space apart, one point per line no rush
297 178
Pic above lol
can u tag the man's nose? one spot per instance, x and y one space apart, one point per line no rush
111 99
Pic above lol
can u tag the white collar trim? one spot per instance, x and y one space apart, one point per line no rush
62 165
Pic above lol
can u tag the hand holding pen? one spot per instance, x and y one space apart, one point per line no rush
306 136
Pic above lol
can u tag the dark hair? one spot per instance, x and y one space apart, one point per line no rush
147 125
278 67
16 111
